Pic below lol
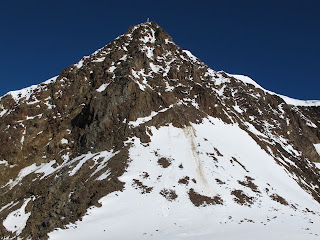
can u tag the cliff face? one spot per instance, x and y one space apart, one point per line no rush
66 142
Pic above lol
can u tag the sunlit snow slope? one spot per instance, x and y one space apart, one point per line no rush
217 159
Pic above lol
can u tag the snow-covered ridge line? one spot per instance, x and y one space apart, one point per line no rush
27 92
288 100
297 102
190 55
248 80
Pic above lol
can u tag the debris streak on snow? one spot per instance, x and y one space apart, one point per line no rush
189 131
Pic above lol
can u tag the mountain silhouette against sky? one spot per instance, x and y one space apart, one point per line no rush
142 140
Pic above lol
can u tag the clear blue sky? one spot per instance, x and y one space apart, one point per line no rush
277 43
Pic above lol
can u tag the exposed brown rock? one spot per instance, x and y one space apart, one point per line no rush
200 200
143 188
241 198
169 194
164 162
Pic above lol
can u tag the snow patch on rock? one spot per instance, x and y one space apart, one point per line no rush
17 220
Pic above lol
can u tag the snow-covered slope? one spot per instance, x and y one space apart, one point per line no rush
214 159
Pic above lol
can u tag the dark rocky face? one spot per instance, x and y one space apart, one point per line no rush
89 107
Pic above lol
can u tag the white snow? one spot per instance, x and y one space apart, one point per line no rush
140 75
27 92
190 55
246 79
150 37
99 59
106 157
218 81
23 172
154 68
34 102
103 87
11 204
112 68
23 93
124 58
317 147
148 51
83 159
23 136
64 141
3 112
79 64
238 109
46 169
142 120
308 121
17 220
4 162
296 102
168 87
33 117
135 74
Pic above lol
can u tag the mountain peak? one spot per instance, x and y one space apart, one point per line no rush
148 38
149 32
143 121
